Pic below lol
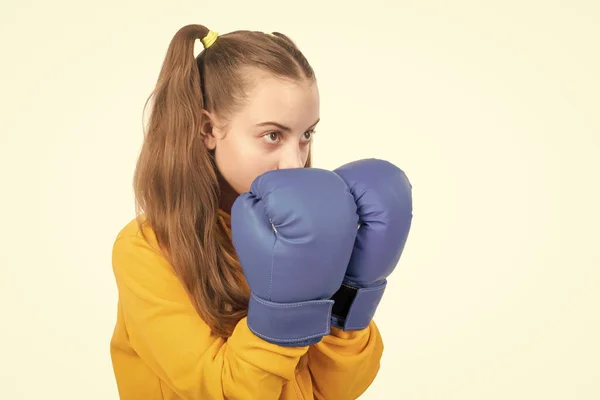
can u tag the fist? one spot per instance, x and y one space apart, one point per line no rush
294 233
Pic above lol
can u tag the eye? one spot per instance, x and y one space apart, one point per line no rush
273 137
307 136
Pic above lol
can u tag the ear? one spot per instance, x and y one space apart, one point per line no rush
208 122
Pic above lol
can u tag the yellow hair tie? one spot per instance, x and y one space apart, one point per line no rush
209 39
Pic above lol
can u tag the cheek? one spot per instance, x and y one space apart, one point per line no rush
240 162
305 152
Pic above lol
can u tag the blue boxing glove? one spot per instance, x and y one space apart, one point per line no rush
294 233
383 196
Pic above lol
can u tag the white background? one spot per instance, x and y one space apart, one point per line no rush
492 108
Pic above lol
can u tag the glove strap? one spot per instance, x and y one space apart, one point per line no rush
290 324
354 308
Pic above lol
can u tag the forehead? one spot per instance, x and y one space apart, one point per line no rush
292 103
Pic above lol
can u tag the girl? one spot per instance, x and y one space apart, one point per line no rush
247 105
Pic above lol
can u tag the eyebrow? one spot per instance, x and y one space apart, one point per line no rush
283 127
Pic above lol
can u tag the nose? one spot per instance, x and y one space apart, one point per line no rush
291 157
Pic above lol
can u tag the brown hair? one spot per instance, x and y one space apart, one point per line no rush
176 182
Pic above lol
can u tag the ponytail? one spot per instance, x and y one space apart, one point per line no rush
177 190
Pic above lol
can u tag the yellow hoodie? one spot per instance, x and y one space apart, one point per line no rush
161 348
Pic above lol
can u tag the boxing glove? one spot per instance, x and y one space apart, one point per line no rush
383 197
294 233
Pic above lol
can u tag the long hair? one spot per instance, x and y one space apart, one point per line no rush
176 183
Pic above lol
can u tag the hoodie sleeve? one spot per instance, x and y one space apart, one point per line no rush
344 364
175 343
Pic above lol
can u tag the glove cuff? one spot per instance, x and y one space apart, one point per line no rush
354 308
289 324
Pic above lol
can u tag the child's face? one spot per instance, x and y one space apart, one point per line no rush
272 131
